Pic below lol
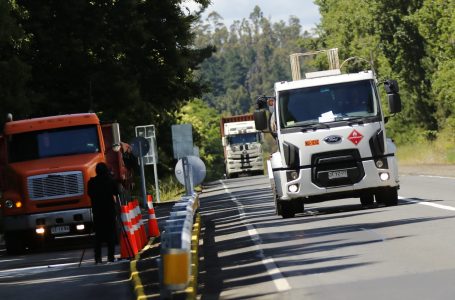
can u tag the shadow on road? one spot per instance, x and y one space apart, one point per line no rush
231 258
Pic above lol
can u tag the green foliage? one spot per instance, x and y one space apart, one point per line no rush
132 61
14 73
251 56
411 41
170 189
206 134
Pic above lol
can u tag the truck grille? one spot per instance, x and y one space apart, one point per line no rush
346 161
55 185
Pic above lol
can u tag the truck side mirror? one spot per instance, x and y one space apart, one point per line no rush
223 141
260 120
116 137
392 89
394 103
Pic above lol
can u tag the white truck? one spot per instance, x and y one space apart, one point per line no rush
331 139
242 146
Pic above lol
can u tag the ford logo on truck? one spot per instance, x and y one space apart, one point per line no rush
332 139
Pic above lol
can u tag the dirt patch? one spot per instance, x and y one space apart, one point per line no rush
427 169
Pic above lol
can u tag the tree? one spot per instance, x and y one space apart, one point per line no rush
250 57
206 134
131 60
14 73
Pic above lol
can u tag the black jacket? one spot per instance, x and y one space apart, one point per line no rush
101 191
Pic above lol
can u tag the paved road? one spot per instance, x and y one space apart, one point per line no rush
335 250
54 273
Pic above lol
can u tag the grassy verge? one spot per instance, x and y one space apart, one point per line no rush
440 151
170 189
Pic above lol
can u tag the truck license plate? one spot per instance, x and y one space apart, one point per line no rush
60 229
338 174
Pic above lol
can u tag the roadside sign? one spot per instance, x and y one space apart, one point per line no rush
148 132
198 170
151 156
182 140
139 146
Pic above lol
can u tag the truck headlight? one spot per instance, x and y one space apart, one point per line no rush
293 188
381 163
9 204
384 176
40 230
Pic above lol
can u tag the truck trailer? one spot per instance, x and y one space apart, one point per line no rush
242 146
45 164
332 141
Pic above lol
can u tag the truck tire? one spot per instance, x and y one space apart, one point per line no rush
387 196
367 200
14 243
287 209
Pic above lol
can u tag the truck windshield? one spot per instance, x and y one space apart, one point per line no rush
243 138
328 103
54 142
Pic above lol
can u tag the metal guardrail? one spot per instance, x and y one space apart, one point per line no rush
176 257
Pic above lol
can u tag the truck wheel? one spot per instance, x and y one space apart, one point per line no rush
287 209
14 243
367 200
387 196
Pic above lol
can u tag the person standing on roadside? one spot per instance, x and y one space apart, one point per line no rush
103 190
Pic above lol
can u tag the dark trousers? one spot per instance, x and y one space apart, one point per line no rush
110 240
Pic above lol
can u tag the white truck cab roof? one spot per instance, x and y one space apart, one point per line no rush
326 78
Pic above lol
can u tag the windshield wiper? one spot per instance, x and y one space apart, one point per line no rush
313 126
355 120
350 120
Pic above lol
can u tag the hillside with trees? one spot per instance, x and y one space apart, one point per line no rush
151 62
410 41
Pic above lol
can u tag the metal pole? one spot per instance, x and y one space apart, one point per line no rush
191 179
186 175
157 189
141 162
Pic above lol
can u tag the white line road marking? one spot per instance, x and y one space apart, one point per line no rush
440 206
433 176
279 280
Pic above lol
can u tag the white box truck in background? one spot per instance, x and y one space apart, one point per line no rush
242 146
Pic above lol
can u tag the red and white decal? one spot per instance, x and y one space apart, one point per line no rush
355 137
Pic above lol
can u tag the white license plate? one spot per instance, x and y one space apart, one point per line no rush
338 174
60 229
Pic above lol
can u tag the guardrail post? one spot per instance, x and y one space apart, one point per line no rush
178 265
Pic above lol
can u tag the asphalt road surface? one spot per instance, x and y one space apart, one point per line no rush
55 274
335 250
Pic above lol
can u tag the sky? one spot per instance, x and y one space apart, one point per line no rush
277 10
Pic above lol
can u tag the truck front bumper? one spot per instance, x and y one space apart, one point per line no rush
52 224
304 187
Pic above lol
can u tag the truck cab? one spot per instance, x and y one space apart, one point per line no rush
332 142
45 166
242 146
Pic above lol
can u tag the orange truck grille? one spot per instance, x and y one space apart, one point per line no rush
55 185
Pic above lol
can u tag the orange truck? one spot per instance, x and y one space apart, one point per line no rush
45 164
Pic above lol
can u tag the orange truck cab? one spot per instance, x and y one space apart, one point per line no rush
45 164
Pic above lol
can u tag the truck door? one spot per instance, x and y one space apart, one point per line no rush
3 161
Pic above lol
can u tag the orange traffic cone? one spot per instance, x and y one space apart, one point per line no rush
128 246
154 231
140 223
135 226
